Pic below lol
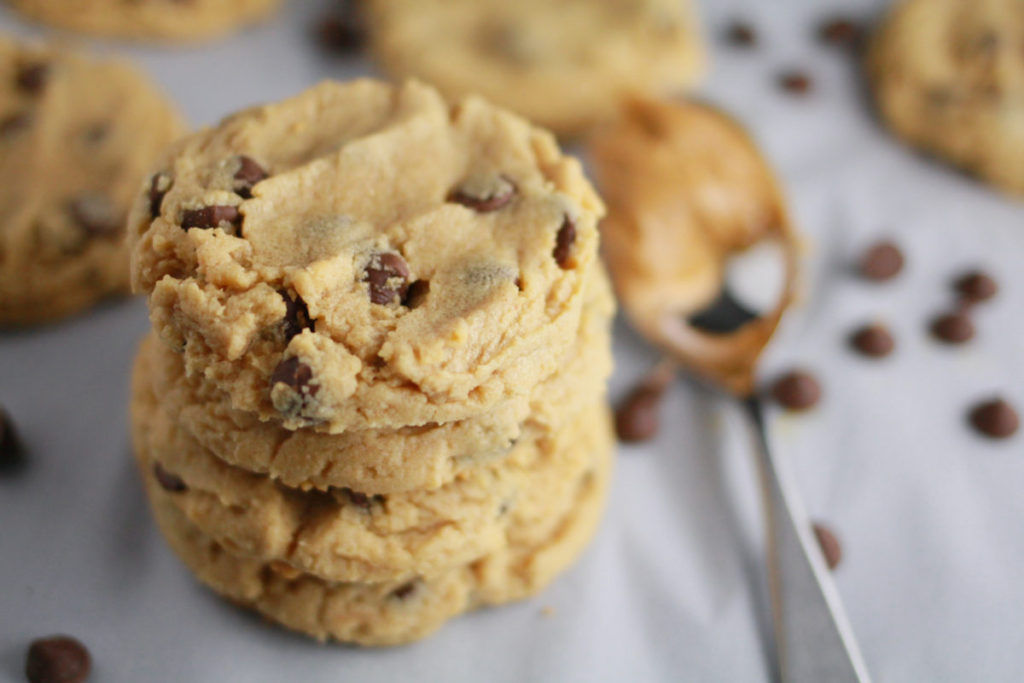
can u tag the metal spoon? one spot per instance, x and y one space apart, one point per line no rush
687 189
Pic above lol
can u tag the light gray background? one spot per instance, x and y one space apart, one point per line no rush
930 515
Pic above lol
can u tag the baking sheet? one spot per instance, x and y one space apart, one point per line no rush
672 590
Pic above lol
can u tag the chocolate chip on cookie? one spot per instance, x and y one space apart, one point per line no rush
797 390
873 340
296 315
159 186
57 659
169 482
405 591
564 240
953 328
882 261
484 192
249 173
12 451
291 386
995 419
211 217
416 294
976 286
32 78
361 500
96 215
15 123
388 277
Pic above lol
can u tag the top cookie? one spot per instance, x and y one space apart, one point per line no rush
76 137
564 65
949 78
163 20
364 256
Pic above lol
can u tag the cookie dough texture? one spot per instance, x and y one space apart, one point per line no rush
76 137
564 65
949 79
366 256
160 20
388 613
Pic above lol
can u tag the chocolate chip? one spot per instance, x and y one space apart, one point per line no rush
32 78
296 315
361 500
96 133
882 261
873 340
953 328
249 173
484 192
159 185
15 123
741 34
795 82
829 544
211 217
57 659
388 277
404 591
995 418
343 31
976 286
564 241
96 215
298 378
638 418
168 481
416 294
12 450
797 390
841 31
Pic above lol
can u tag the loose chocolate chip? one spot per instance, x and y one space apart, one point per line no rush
485 192
795 82
297 376
637 418
841 31
416 294
995 418
32 77
797 390
296 315
342 32
404 591
953 328
564 241
12 450
210 217
741 34
96 215
249 173
882 261
830 548
388 277
159 186
976 286
873 340
57 659
168 481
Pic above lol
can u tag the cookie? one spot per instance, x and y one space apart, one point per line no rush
366 256
948 77
387 613
76 138
160 20
343 535
384 460
564 65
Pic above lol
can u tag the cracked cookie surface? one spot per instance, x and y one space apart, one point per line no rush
76 137
949 78
564 65
160 20
366 256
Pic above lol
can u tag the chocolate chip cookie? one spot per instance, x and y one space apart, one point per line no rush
76 138
949 78
565 65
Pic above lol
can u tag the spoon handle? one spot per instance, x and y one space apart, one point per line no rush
813 636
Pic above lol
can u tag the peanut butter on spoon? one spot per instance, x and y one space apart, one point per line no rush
686 190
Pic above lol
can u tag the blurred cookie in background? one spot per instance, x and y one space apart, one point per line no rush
77 137
159 20
949 79
565 65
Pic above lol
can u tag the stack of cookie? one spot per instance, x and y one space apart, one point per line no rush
374 397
